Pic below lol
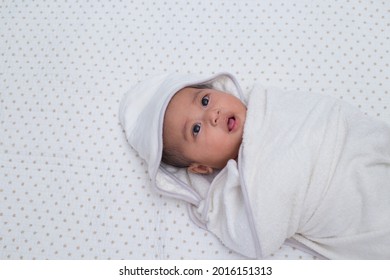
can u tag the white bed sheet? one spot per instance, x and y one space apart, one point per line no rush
70 187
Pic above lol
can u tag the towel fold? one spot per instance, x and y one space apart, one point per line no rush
310 168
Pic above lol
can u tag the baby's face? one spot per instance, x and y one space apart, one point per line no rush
205 126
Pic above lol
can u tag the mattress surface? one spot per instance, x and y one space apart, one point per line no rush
71 187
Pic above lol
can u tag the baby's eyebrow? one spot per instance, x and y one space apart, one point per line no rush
185 130
196 95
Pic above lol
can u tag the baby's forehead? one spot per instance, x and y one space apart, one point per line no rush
183 95
179 104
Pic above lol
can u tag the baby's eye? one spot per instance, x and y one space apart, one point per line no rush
196 129
205 101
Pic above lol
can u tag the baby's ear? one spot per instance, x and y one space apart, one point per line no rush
200 169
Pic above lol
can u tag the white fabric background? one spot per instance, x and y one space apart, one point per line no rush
70 187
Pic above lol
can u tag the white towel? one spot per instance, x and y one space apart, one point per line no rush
310 168
316 170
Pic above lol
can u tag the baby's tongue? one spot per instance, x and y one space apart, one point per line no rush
231 123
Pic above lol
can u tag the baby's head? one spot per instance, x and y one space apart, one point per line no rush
202 129
176 119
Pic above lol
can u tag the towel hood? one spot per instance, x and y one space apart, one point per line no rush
141 115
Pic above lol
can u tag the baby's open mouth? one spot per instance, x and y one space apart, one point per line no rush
231 123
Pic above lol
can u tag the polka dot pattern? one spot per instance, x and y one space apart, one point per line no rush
70 186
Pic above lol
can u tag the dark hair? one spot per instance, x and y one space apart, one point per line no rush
172 156
202 86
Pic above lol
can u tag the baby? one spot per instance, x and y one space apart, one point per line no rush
272 167
202 129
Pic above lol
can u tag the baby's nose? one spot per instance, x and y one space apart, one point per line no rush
214 116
